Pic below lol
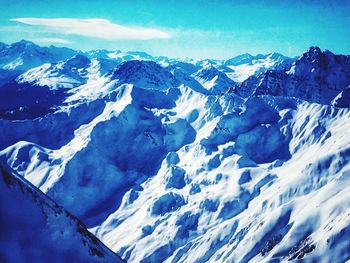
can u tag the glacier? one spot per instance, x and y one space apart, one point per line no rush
184 160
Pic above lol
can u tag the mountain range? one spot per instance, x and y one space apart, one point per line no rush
174 160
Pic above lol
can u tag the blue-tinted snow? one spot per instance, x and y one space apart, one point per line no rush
174 160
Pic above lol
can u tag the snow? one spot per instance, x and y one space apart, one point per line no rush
168 163
213 80
258 64
67 74
273 187
342 100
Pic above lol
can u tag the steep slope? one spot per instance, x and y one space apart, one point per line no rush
36 229
28 101
315 76
144 74
45 89
260 195
343 99
240 174
129 109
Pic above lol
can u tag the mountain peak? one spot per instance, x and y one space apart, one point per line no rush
144 73
275 55
313 49
3 45
312 52
78 60
24 43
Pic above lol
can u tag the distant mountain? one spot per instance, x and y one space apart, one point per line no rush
243 59
118 55
315 76
213 80
67 74
144 74
24 55
21 56
246 65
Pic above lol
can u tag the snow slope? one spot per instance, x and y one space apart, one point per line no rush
246 65
36 229
175 162
66 74
242 202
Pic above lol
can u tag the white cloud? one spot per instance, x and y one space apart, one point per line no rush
98 28
50 40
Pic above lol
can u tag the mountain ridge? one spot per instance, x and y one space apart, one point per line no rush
58 225
169 160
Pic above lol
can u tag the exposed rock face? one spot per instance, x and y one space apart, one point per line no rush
315 76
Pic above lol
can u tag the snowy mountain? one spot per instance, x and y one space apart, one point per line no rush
119 55
24 55
170 160
36 229
144 74
213 80
315 76
21 56
246 65
67 74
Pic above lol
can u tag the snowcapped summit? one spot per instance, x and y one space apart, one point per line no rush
242 59
316 76
97 54
213 80
275 56
144 74
24 55
65 74
118 55
140 55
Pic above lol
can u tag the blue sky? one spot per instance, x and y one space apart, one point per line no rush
199 29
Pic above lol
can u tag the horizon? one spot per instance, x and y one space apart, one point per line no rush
199 29
161 55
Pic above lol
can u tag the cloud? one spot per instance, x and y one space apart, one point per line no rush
51 40
97 28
